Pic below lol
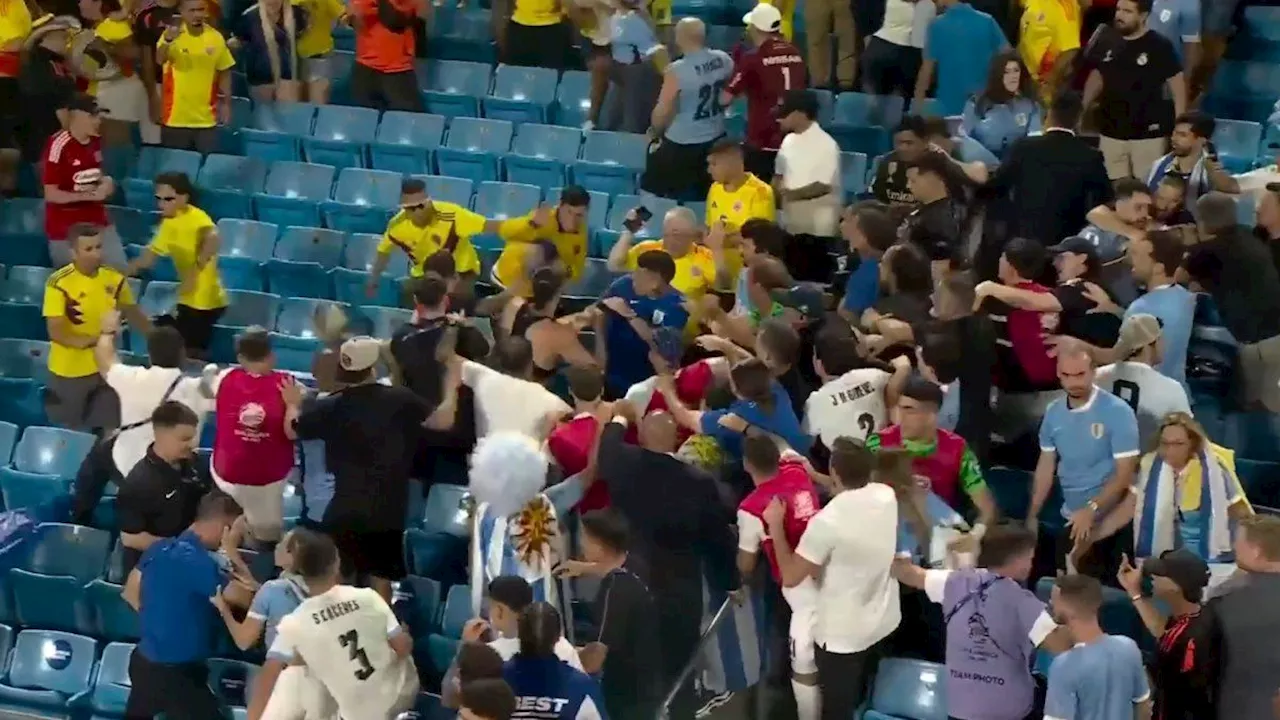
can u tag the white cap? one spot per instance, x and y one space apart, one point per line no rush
764 17
359 353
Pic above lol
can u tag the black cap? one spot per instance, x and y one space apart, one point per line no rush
1186 569
83 103
801 101
1080 246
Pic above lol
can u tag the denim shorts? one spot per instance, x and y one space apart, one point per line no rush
318 67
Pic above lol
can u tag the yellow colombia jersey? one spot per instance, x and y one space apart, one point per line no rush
15 25
537 13
451 226
695 272
190 83
180 238
82 300
752 200
519 232
317 38
1048 29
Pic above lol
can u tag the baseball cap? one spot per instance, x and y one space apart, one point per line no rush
83 103
1186 569
359 353
764 17
804 298
1136 332
801 101
1080 246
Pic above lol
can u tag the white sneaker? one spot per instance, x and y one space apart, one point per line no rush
588 126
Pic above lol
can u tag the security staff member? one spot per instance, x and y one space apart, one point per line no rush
171 590
159 497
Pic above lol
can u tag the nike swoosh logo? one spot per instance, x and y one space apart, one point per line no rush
171 494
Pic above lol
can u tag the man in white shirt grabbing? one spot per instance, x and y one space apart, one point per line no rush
808 184
348 637
1135 380
850 545
855 392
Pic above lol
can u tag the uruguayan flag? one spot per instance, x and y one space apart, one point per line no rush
733 658
525 544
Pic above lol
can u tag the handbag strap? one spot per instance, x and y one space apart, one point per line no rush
163 399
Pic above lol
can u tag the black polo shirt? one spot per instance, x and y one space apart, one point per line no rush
158 498
149 25
46 83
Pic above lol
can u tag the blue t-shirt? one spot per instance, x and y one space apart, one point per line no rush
780 420
628 361
1088 440
549 689
1175 307
702 76
1000 125
1177 20
177 620
963 42
862 289
275 599
633 39
1102 680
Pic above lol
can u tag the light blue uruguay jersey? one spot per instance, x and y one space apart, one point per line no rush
1101 680
702 75
1088 440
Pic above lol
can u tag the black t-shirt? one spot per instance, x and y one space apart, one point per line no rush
370 435
414 348
1098 329
1239 271
1134 103
46 84
149 25
890 183
623 613
935 228
159 499
1177 671
912 309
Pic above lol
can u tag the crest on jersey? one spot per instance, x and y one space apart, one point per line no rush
534 532
1096 430
1165 15
737 206
1142 59
1020 119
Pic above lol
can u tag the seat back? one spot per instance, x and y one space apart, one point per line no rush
111 686
343 123
458 78
853 172
159 297
573 98
299 180
285 117
23 359
549 142
370 188
297 316
616 148
480 135
231 680
246 239
8 439
449 189
623 204
51 451
65 549
52 660
527 84
910 689
153 160
1238 143
313 245
233 172
25 284
506 200
406 128
245 308
385 320
448 509
457 610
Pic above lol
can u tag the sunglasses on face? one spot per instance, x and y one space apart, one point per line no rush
415 206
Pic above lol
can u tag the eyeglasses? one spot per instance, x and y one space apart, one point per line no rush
415 206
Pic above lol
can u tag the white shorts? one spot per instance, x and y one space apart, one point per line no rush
298 695
123 99
803 600
263 505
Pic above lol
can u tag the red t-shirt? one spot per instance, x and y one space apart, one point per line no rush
793 485
692 383
570 444
1027 332
763 75
72 166
377 46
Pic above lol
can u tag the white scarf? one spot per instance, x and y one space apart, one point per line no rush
1154 516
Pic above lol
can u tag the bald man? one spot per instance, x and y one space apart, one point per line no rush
1089 444
688 118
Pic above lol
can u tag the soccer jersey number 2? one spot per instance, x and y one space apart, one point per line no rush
351 641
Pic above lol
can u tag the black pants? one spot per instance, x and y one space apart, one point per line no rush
202 140
760 162
845 679
679 624
386 91
10 115
181 692
1102 560
889 69
539 45
196 328
678 171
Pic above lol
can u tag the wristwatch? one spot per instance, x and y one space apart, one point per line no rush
1093 505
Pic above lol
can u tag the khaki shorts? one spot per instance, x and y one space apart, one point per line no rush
1130 158
86 403
263 505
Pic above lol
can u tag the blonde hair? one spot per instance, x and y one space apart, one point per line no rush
893 468
1195 431
1263 531
269 36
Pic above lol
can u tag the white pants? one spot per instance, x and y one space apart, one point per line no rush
263 505
803 600
819 217
124 99
298 695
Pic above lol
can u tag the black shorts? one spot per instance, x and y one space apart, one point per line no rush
677 171
202 140
548 46
370 553
386 91
760 162
1102 560
177 691
196 326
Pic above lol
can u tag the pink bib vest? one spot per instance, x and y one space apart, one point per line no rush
250 446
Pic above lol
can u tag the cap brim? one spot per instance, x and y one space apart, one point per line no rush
746 19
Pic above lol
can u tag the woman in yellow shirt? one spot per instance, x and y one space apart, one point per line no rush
316 64
538 35
105 54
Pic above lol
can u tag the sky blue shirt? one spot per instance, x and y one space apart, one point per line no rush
633 40
628 361
781 420
1177 20
1175 307
963 42
699 117
862 289
999 125
1102 680
317 481
1088 440
275 599
178 577
938 513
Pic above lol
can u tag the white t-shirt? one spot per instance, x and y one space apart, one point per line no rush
810 157
851 405
343 636
1255 182
509 404
853 539
1151 394
906 23
141 389
507 647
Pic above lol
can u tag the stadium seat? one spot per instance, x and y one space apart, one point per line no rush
610 162
1250 88
139 190
473 148
250 308
457 611
423 606
8 439
24 284
573 98
293 193
48 589
294 339
908 689
45 461
588 288
363 200
448 510
340 136
406 142
229 135
21 303
1238 143
22 238
24 359
159 298
862 122
853 173
231 680
501 201
597 213
131 224
521 94
441 651
1262 22
111 685
454 190
302 260
454 88
49 672
248 239
114 618
227 184
277 130
467 36
384 321
1253 435
540 154
349 279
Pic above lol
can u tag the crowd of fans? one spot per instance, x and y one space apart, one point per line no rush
824 386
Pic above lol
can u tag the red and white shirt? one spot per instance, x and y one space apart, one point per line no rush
793 485
72 166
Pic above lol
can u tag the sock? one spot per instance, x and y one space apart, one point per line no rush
808 700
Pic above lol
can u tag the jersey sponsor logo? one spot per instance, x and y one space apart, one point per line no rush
85 180
531 706
804 506
782 60
857 392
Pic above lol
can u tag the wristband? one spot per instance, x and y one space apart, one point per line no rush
1135 598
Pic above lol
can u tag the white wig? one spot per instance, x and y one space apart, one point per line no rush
508 470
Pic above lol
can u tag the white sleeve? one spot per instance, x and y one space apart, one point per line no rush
123 378
382 608
588 710
935 584
215 381
639 395
817 542
553 403
1041 628
828 167
568 653
284 647
473 373
750 532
